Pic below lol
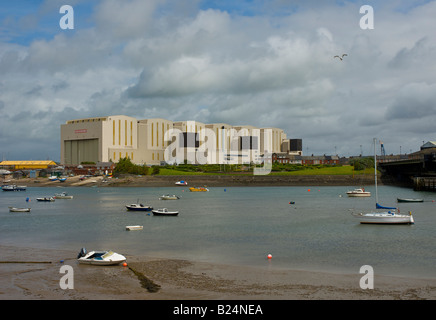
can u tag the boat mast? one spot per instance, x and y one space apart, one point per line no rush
375 171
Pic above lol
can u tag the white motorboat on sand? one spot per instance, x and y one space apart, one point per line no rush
101 258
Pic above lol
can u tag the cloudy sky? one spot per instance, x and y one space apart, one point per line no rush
246 62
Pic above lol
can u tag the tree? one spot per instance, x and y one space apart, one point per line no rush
124 165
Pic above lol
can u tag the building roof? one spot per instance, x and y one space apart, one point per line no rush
429 144
30 162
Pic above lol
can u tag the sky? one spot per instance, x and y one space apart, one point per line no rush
249 62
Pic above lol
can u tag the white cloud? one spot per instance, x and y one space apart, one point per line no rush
149 59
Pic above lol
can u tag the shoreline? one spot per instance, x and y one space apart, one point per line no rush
202 180
188 280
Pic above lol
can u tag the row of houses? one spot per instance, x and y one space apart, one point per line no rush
35 169
43 168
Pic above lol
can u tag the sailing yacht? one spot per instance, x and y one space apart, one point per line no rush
389 215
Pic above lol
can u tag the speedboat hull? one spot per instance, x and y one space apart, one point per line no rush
100 258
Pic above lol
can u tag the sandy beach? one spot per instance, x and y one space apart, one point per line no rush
34 274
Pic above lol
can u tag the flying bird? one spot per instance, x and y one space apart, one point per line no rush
343 55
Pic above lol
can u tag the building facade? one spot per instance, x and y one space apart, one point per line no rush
157 141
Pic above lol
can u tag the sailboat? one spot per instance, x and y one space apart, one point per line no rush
389 216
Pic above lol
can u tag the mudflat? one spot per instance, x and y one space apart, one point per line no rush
34 274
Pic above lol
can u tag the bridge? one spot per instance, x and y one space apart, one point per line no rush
419 170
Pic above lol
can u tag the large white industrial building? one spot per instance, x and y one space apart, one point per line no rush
157 141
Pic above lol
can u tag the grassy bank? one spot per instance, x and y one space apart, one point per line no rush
301 171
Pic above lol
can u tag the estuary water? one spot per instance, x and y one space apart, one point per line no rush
233 225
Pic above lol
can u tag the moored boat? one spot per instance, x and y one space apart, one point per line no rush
13 187
132 228
360 192
46 199
62 195
164 212
169 197
181 183
198 189
386 217
409 200
138 207
8 187
14 209
102 258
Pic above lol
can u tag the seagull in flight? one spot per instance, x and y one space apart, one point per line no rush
343 55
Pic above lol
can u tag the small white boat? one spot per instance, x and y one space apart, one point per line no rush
164 212
53 178
169 197
47 199
360 192
132 228
62 195
13 209
101 258
181 183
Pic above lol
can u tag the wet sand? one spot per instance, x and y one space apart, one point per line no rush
34 274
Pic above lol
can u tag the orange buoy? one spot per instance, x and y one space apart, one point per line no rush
124 264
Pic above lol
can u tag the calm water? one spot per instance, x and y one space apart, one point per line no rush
235 225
